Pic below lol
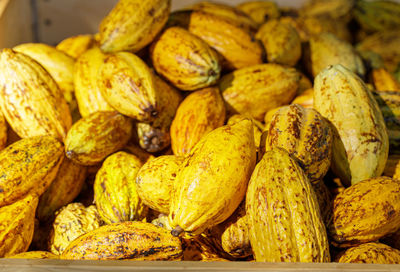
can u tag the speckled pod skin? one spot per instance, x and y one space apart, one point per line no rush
30 99
370 253
128 240
115 192
75 46
185 60
28 167
360 142
284 219
93 138
305 134
132 24
198 114
127 84
257 89
213 179
281 42
365 212
384 81
34 255
16 225
87 93
260 11
235 44
156 179
71 222
3 131
63 190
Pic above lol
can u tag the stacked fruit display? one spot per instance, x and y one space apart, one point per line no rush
212 133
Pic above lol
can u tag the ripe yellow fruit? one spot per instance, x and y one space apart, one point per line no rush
75 46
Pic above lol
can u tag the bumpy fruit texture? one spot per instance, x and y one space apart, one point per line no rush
199 113
132 24
71 222
284 219
371 253
366 212
127 84
185 60
30 99
305 134
257 89
3 131
360 142
88 94
28 167
213 179
34 255
281 42
156 179
16 225
384 81
76 45
128 240
93 138
115 192
260 11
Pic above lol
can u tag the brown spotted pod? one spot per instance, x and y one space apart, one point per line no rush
370 253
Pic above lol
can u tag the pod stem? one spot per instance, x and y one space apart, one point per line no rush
176 231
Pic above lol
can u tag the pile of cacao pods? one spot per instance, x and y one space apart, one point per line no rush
212 133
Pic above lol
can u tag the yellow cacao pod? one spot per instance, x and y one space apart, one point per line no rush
360 142
371 253
132 24
140 241
213 180
199 113
31 101
325 199
75 46
258 126
187 61
93 138
338 10
260 11
3 131
284 219
305 99
34 255
384 81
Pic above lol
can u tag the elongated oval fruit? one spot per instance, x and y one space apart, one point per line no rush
371 253
213 179
87 93
93 138
199 113
235 44
257 89
71 222
260 11
133 24
306 135
34 255
156 179
326 49
28 167
75 46
3 131
360 142
127 84
365 212
30 99
185 60
281 42
63 190
128 240
115 192
16 225
384 81
258 127
285 223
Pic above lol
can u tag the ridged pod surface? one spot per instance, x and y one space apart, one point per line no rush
115 192
63 190
235 44
128 240
384 81
34 255
132 24
16 225
260 11
281 42
30 99
370 253
366 212
28 167
305 134
156 179
325 200
199 113
71 222
258 126
187 61
3 131
75 46
360 142
284 219
213 179
87 93
257 89
93 138
127 84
